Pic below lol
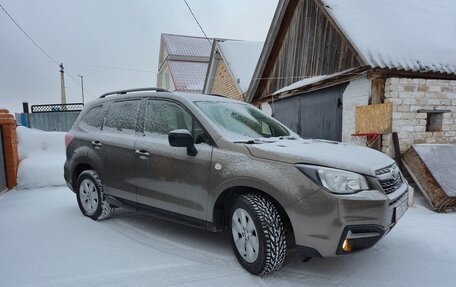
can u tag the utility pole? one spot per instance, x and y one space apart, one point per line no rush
82 87
62 85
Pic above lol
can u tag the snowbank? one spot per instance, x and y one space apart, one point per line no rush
41 156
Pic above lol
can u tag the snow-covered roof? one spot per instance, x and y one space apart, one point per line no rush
309 81
188 76
181 45
412 35
241 57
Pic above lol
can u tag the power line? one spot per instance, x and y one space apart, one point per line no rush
30 38
194 17
84 65
112 68
77 82
38 46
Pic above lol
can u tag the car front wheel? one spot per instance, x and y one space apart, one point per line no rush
257 234
90 197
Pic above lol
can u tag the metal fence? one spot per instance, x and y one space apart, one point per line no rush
52 117
52 121
57 108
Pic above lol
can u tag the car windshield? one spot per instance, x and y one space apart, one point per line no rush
241 122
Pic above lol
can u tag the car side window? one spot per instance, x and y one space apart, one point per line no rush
122 117
161 117
93 119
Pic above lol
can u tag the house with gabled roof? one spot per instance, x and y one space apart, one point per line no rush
231 67
183 62
323 59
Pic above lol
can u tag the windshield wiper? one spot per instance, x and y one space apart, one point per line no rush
247 142
267 140
288 138
251 141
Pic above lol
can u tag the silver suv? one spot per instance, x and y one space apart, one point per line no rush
220 164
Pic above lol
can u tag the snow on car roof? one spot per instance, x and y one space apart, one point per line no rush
408 34
184 96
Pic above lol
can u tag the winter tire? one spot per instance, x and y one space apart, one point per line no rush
90 196
257 234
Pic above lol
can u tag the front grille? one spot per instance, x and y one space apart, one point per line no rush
391 185
390 178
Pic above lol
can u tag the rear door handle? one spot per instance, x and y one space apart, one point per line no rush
96 144
142 153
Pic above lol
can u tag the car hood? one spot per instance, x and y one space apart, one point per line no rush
325 153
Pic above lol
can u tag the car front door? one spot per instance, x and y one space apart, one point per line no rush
117 147
167 177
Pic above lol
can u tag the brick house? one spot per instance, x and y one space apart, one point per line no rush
322 58
183 62
231 67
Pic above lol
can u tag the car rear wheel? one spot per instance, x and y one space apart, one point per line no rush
89 193
257 234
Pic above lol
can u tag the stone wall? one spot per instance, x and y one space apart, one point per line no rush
224 84
410 95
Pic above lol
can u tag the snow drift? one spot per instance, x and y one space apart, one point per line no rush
41 158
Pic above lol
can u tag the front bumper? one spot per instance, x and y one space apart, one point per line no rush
323 221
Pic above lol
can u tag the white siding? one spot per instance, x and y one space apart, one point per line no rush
357 93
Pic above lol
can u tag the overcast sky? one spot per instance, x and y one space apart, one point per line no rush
87 35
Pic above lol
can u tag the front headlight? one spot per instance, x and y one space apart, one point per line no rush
335 180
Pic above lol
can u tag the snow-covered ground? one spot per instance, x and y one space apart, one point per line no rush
41 155
45 241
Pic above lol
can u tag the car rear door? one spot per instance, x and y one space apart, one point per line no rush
117 148
167 177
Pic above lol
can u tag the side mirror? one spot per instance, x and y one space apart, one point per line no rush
182 138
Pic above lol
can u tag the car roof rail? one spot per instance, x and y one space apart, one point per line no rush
217 95
123 92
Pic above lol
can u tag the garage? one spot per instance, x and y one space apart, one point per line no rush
316 114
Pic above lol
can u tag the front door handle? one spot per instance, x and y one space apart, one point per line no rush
96 144
142 154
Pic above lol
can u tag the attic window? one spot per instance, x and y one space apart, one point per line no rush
434 119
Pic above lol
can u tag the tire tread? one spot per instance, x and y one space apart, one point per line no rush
106 208
273 230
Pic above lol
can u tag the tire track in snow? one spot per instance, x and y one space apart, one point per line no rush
167 246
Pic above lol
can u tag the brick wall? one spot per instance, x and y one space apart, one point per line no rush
8 126
357 93
224 84
409 95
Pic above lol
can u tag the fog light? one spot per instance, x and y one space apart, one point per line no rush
346 246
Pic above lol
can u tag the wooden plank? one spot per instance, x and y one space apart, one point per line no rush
342 35
389 73
429 166
378 91
307 44
373 118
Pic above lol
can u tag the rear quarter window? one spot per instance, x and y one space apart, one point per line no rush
122 116
93 119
